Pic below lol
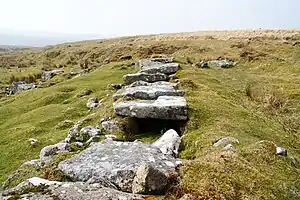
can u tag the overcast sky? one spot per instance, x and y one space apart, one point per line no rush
131 17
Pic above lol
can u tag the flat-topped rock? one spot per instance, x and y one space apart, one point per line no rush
152 67
163 59
165 107
148 92
116 163
130 78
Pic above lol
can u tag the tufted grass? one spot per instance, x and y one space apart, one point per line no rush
256 100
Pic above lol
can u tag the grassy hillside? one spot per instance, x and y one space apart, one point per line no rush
258 99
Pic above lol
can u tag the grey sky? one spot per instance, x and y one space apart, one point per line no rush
131 17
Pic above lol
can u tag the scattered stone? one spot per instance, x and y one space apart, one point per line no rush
92 103
202 64
225 141
21 86
115 86
223 63
85 93
229 147
113 162
149 180
33 141
168 143
148 92
90 131
110 126
130 78
49 151
281 151
126 57
49 74
41 189
165 107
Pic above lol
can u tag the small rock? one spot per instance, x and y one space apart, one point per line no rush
90 131
111 137
149 181
115 86
92 103
281 151
110 126
202 64
85 93
225 141
49 151
168 143
49 74
33 141
229 147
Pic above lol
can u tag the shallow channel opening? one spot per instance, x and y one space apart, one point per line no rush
152 128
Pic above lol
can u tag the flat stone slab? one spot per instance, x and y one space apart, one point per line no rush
131 78
165 107
116 163
148 92
40 189
152 67
158 83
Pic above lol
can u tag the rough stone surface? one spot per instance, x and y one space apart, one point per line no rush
116 162
229 147
202 64
148 92
149 180
92 103
110 126
41 189
152 67
223 63
225 141
155 84
168 143
130 78
162 59
165 107
21 86
49 151
90 131
49 74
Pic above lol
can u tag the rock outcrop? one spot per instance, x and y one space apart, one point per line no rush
49 74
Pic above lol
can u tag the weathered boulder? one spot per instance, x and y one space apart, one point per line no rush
92 103
149 180
148 92
49 151
223 63
226 140
168 143
49 74
152 67
41 189
130 78
116 162
165 107
21 86
90 131
110 126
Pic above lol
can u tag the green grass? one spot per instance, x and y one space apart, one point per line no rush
240 102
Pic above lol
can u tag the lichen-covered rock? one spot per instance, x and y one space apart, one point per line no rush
110 126
92 103
225 141
90 131
148 92
149 180
116 162
130 78
49 74
49 151
165 107
168 143
41 189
